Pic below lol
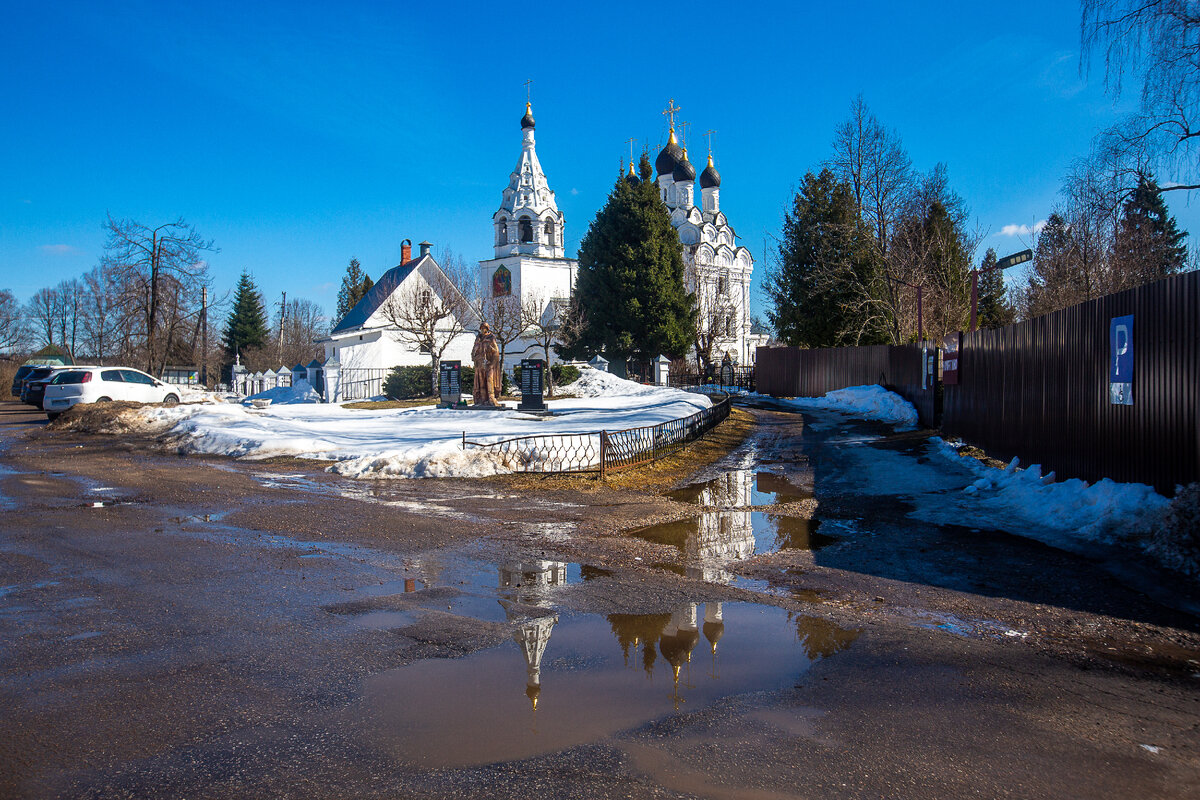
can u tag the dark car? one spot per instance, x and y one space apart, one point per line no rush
34 386
22 375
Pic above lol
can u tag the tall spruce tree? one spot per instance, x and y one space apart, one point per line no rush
246 328
995 310
821 291
355 284
630 300
1147 245
1055 279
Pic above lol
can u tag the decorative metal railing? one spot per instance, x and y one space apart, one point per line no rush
603 451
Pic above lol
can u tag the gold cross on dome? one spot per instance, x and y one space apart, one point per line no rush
630 142
709 133
528 83
671 111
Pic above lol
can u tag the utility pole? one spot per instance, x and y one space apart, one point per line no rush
203 336
282 316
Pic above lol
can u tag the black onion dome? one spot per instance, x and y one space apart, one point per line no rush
684 171
710 178
669 157
527 120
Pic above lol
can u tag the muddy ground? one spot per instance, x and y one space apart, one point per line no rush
200 627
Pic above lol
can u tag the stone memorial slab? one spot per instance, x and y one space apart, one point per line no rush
533 385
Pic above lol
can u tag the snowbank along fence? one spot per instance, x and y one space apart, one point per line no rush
1039 390
605 451
793 372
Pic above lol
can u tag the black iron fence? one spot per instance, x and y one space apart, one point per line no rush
361 383
603 451
737 378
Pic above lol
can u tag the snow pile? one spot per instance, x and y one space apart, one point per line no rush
1100 512
301 392
594 383
198 394
414 442
868 402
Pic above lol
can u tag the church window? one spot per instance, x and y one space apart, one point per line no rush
426 298
550 232
502 231
729 325
722 285
525 230
501 282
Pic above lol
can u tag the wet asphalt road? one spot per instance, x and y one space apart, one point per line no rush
194 627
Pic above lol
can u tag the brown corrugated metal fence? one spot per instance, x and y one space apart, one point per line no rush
792 372
1039 389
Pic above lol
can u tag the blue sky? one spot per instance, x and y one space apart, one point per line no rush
297 135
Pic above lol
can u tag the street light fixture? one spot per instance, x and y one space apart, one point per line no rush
1002 264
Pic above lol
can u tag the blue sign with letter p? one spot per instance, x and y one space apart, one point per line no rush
1120 360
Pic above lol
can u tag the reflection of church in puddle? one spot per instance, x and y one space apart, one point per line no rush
527 586
722 536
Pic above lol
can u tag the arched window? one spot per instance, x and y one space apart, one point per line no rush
525 230
550 232
502 231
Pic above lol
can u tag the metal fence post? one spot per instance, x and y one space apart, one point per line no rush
603 452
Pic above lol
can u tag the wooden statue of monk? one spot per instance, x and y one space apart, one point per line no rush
486 355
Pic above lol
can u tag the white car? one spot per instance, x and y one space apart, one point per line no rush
102 384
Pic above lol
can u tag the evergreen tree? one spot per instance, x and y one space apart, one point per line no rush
1147 245
948 270
821 292
355 284
995 310
1054 280
630 299
246 328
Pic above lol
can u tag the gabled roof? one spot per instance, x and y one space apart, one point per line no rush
377 295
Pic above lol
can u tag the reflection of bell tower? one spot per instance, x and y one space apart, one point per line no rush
680 638
532 637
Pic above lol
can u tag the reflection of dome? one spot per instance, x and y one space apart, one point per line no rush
713 631
669 157
710 178
533 691
527 120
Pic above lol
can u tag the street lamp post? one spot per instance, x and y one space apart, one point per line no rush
1002 264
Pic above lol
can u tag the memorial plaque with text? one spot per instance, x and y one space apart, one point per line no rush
532 385
450 382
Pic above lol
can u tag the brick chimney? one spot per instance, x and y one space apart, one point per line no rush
406 251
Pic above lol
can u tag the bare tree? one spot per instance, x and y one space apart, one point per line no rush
542 319
303 323
42 311
712 320
103 313
1155 43
14 334
160 270
429 314
504 316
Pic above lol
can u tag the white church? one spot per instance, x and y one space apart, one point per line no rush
530 263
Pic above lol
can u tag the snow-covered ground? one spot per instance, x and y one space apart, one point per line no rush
864 402
415 442
945 488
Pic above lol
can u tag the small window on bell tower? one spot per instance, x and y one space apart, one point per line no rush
525 230
502 231
550 232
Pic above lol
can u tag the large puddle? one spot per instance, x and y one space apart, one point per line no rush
742 488
568 680
717 538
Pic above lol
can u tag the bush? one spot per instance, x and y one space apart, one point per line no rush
564 374
466 379
1179 538
408 383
